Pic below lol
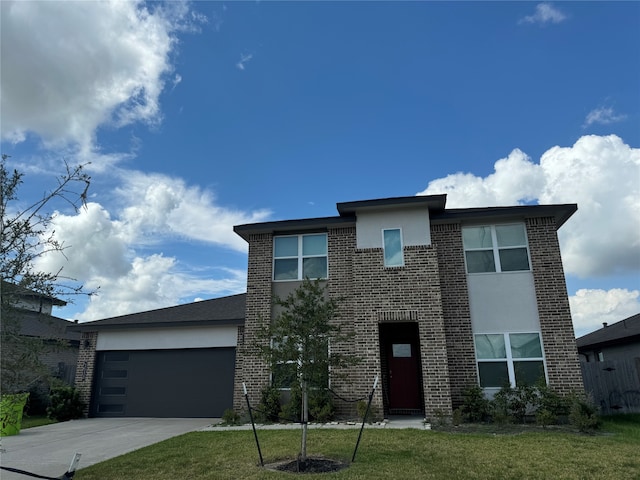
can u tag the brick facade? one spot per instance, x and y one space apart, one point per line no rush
86 367
447 239
558 337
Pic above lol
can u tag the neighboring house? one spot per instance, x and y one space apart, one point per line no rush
171 362
618 341
437 299
33 313
610 362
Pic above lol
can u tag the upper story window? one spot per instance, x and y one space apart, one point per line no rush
296 257
393 251
496 248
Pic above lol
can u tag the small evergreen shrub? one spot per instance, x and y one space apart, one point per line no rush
65 404
475 406
583 414
372 416
268 410
230 417
321 407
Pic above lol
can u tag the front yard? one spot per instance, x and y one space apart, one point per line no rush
390 454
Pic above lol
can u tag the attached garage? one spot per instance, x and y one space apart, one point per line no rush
164 383
173 363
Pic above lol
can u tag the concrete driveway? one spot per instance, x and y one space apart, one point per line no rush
48 450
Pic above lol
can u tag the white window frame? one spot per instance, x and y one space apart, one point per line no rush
510 359
401 264
495 248
300 257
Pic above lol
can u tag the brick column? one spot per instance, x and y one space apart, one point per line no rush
447 239
85 368
250 368
558 337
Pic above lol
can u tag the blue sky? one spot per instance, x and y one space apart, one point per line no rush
204 115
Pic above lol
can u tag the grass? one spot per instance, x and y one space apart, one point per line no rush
390 454
29 421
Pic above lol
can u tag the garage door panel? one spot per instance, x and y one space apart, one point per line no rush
164 383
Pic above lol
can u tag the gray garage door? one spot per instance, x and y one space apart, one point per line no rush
164 383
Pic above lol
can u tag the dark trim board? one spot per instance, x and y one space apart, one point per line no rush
185 383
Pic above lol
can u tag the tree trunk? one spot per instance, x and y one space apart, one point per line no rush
305 421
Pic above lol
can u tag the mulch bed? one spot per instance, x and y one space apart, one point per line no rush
312 465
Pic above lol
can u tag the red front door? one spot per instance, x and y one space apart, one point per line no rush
404 389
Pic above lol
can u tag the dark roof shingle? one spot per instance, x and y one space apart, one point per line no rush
624 331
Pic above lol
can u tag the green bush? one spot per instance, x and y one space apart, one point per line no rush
230 417
268 409
65 404
475 406
514 404
321 407
372 416
583 414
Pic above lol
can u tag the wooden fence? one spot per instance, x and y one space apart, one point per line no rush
614 385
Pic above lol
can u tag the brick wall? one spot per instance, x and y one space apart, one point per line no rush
86 367
250 368
553 306
447 239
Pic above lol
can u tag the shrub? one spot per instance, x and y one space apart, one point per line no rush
321 408
583 414
372 416
268 409
475 406
230 417
65 404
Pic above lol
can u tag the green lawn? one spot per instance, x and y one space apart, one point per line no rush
35 421
390 454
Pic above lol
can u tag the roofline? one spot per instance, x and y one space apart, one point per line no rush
92 327
290 226
432 202
561 213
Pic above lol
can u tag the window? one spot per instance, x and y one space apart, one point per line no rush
297 257
509 359
392 241
496 248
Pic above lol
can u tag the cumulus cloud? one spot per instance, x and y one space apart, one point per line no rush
591 307
161 205
599 173
70 67
545 13
103 250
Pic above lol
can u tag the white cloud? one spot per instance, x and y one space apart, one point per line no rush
603 116
545 13
590 308
69 67
599 173
158 205
244 59
104 250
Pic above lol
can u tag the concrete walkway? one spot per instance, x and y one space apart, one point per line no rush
48 450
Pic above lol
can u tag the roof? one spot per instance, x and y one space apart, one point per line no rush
434 203
218 311
34 324
624 331
9 288
561 212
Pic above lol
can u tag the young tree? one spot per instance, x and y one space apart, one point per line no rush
25 236
300 337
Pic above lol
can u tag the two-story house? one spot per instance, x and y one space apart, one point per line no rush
436 299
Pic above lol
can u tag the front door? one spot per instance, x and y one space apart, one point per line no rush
403 379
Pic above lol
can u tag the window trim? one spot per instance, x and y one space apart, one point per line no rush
384 250
509 358
495 248
300 257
